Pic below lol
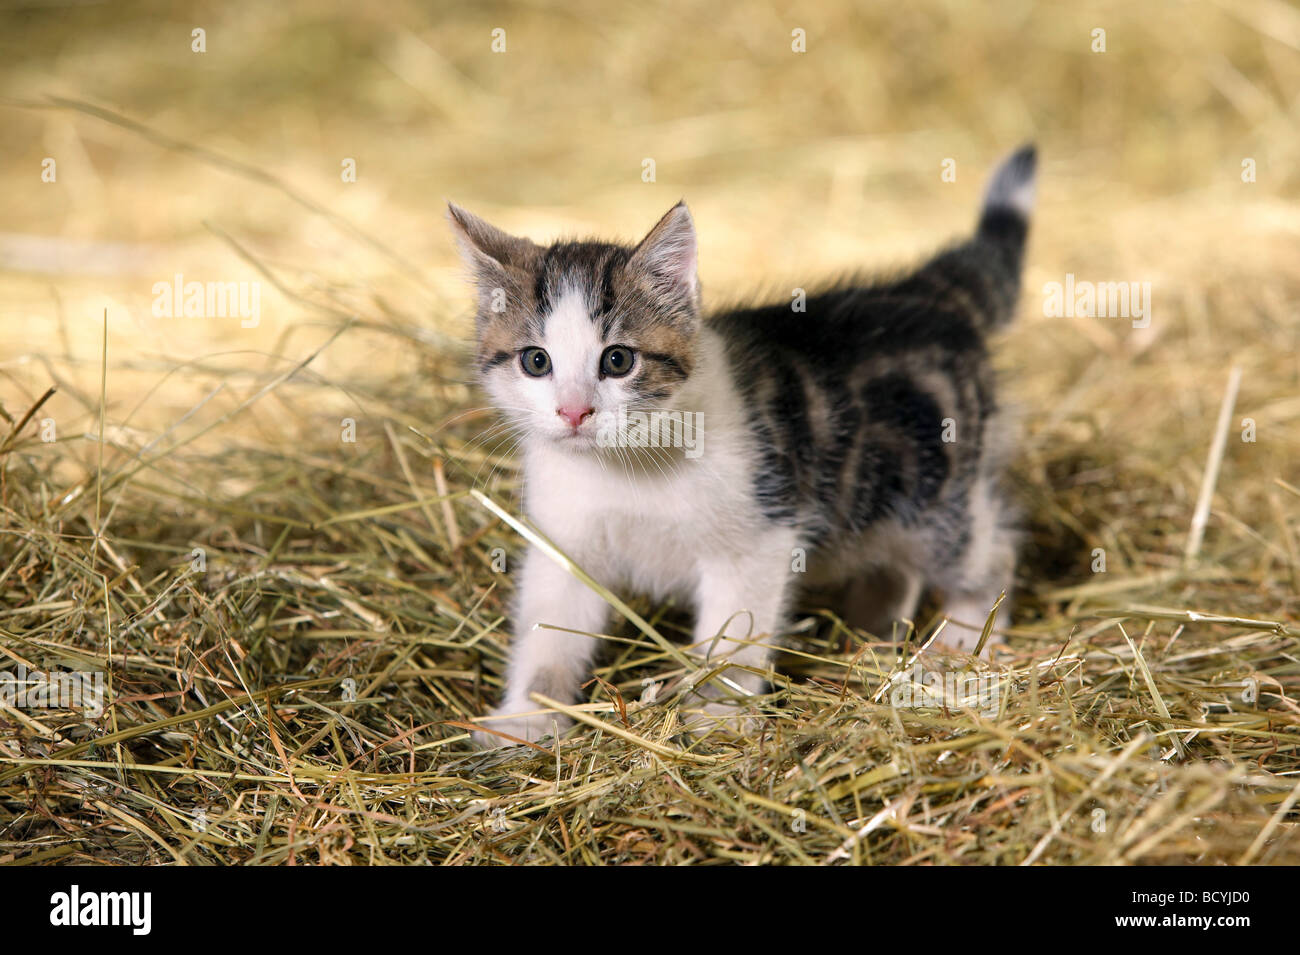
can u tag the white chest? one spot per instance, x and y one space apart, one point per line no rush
646 528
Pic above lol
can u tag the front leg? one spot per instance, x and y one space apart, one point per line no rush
743 597
545 661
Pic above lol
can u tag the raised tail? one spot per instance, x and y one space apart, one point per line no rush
1009 198
1003 227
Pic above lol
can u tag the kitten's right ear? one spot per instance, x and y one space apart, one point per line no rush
487 250
667 256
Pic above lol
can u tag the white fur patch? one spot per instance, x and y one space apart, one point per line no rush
573 342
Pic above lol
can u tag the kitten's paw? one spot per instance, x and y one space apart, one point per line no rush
966 617
965 638
530 727
966 642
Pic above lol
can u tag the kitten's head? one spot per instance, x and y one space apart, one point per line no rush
571 332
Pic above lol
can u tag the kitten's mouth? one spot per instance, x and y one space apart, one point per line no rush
575 439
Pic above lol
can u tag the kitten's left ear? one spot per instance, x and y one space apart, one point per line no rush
668 255
486 249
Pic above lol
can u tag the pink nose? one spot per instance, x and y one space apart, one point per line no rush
575 414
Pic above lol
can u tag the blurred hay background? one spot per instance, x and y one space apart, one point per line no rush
229 739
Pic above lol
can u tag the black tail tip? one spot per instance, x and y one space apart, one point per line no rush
1012 185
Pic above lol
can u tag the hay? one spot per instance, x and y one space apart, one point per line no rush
302 694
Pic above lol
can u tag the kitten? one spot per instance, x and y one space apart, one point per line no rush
858 435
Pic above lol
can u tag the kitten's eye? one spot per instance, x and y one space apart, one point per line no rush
617 361
535 361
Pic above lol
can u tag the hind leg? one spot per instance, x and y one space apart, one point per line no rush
877 599
983 572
